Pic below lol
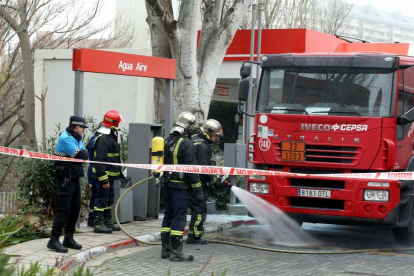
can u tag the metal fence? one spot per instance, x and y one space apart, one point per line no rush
8 201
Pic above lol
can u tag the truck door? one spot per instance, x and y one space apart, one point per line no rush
409 102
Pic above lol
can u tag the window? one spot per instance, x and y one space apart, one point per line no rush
400 104
326 91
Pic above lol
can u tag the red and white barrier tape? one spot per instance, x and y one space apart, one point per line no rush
211 169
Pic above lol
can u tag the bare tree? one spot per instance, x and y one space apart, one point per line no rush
26 25
67 22
333 16
197 67
328 16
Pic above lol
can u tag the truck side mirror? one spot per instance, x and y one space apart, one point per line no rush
245 71
243 89
406 118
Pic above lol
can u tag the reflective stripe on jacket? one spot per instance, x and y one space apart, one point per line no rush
180 151
107 149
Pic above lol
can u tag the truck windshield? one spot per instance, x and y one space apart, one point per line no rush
326 91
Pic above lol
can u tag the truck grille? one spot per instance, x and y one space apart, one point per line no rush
317 203
329 154
317 183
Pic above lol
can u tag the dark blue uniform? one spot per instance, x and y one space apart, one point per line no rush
106 149
179 151
199 209
67 182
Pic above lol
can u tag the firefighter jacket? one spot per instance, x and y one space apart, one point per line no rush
107 149
179 150
203 154
70 145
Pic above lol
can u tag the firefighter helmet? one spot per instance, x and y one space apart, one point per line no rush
112 118
212 127
186 120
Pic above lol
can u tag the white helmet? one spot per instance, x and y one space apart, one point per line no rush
212 127
187 120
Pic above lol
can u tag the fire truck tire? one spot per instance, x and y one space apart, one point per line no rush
404 236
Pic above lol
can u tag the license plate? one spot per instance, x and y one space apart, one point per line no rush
293 151
314 193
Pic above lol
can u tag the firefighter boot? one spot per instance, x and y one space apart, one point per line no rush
99 226
55 244
195 240
69 242
165 240
176 253
108 221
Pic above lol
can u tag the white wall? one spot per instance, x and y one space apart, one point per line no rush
131 96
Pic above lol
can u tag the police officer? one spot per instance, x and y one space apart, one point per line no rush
179 149
106 149
67 181
208 134
92 181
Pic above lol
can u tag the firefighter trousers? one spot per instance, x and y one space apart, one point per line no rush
68 204
198 216
175 208
104 197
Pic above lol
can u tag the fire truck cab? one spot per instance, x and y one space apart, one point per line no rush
334 113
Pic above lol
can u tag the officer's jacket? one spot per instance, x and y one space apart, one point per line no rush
180 151
70 145
107 149
91 151
203 154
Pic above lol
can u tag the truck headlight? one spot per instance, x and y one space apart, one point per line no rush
376 195
259 188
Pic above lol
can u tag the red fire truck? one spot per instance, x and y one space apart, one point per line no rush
333 113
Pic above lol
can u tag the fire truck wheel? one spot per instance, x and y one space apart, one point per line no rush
404 236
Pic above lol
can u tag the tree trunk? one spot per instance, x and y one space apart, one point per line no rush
183 44
29 93
197 69
160 48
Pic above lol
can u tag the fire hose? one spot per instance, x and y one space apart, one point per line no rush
345 251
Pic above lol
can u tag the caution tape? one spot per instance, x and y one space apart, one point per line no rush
211 169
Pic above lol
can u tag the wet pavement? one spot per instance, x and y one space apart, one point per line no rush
217 258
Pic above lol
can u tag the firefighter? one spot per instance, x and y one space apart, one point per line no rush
106 149
92 181
208 134
179 149
67 181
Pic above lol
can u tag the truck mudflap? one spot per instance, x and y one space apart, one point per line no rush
391 220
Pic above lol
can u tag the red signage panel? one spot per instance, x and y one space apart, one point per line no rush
106 62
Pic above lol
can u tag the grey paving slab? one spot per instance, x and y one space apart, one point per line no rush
36 250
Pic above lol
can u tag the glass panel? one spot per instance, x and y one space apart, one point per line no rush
326 91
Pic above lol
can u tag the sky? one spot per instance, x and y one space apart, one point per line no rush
405 6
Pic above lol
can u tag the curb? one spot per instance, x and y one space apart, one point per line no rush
81 257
